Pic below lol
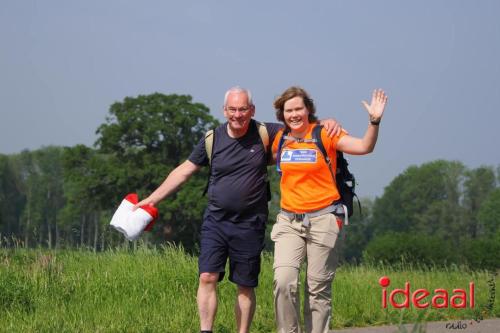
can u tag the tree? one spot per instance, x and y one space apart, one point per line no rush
48 177
478 185
87 176
28 179
489 214
38 179
359 231
145 138
440 201
11 197
419 198
159 127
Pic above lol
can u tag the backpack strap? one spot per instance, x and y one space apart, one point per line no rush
209 145
340 159
316 134
283 137
264 135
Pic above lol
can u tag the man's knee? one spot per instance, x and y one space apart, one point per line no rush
247 291
209 278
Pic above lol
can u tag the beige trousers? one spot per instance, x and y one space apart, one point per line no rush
292 244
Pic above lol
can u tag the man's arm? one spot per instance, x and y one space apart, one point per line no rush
174 180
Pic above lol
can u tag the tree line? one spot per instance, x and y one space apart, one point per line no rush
65 196
440 212
58 197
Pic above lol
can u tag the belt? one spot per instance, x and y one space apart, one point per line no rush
337 209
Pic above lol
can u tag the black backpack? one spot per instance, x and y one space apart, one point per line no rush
343 178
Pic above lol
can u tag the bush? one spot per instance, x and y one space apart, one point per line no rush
394 248
483 253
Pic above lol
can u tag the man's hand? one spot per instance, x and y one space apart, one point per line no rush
145 202
331 126
376 107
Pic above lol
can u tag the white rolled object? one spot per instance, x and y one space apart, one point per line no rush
131 223
121 214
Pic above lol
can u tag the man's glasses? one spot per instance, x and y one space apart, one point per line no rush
242 110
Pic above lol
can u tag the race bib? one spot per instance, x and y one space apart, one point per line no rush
299 156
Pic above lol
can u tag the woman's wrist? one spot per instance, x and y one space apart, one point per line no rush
375 121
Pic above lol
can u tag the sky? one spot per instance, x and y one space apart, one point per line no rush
63 63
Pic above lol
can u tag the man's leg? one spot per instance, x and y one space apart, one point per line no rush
207 300
245 247
244 308
211 263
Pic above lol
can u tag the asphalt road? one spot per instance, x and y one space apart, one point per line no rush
458 326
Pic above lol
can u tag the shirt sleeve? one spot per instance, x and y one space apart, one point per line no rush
199 154
331 147
273 129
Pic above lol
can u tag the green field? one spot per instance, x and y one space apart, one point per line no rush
154 290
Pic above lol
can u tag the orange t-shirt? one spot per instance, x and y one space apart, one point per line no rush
306 183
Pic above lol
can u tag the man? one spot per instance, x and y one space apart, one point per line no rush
234 221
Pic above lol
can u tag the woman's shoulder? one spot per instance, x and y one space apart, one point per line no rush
330 143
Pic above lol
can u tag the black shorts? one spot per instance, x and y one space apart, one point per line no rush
241 242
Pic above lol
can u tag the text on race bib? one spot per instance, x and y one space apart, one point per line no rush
299 156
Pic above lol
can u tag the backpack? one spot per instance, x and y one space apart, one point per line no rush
343 178
209 145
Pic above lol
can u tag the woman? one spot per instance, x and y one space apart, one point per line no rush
306 227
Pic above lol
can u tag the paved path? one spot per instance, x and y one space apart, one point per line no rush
457 326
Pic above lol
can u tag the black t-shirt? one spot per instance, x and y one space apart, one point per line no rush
237 189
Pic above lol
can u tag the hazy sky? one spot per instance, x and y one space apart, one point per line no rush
63 63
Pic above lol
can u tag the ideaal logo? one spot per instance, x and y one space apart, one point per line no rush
440 297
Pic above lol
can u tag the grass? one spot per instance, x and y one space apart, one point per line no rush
154 290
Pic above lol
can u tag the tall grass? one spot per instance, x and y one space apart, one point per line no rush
154 290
